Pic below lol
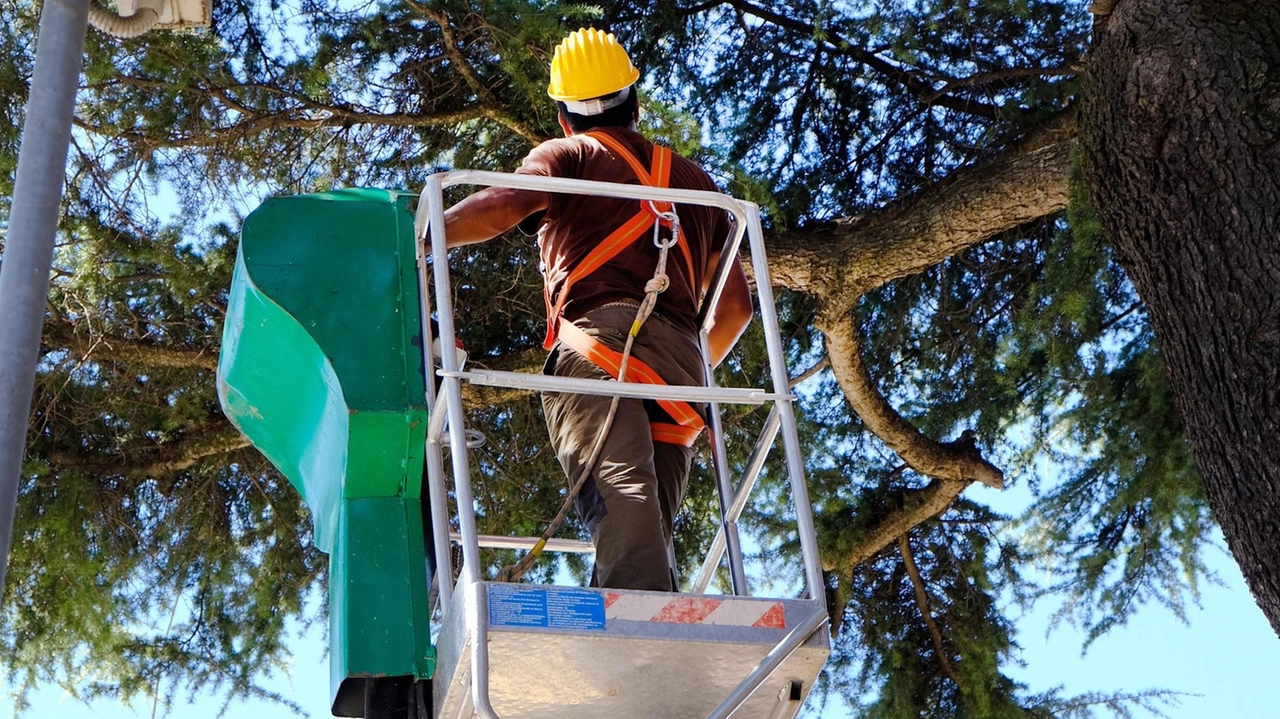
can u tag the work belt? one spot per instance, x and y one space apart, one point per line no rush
688 422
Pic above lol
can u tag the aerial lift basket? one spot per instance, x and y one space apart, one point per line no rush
520 651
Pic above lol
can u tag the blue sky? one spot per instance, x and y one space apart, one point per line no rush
1226 654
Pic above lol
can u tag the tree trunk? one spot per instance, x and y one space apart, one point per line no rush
1180 133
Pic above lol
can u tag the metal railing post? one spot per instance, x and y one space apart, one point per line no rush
724 486
781 383
755 463
476 599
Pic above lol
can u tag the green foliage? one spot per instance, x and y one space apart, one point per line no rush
128 589
142 568
793 94
158 555
1131 515
966 570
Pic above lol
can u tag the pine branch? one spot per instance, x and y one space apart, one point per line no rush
922 601
952 466
1011 73
817 367
836 44
143 353
256 123
163 459
488 102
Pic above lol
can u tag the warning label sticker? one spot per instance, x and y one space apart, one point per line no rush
553 607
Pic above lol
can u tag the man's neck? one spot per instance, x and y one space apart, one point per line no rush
631 127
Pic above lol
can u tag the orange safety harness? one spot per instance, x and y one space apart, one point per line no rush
688 424
619 365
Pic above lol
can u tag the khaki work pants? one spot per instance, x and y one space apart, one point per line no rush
630 501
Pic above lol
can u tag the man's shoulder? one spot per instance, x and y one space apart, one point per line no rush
692 173
558 146
551 157
689 170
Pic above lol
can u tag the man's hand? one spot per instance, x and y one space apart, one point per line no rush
489 213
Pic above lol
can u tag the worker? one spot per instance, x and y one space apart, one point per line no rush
598 260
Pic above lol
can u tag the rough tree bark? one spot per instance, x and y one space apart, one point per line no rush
1180 130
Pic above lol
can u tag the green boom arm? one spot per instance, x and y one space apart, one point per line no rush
321 368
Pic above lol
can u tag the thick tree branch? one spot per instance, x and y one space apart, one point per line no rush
922 601
918 506
954 462
952 466
843 261
1103 7
144 353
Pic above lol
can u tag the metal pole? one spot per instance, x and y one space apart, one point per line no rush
33 221
477 604
724 483
786 413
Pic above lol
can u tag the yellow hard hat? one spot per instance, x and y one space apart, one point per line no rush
589 64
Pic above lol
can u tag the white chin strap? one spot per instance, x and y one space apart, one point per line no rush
597 106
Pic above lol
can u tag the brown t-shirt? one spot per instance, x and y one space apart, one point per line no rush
575 224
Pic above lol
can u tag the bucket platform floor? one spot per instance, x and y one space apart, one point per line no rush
583 653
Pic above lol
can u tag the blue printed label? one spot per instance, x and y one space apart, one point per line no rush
555 608
514 607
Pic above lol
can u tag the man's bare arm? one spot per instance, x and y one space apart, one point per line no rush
489 213
732 313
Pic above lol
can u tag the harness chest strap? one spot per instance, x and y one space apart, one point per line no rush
658 176
621 238
689 425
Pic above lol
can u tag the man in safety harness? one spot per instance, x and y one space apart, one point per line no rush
622 281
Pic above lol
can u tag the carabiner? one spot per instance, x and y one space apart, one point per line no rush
670 217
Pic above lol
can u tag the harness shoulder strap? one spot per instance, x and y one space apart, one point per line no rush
659 175
621 151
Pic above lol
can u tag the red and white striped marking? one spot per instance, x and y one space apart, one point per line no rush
695 610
